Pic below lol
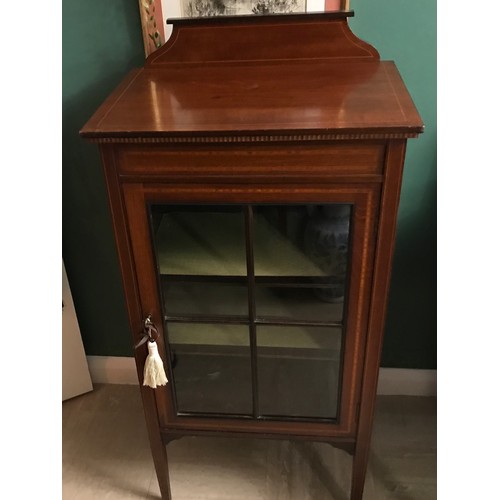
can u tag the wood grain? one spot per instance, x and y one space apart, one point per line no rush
347 97
278 109
279 37
264 161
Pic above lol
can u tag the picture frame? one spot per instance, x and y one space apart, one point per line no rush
154 13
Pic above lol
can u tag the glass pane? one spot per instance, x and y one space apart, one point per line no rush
185 299
208 334
211 368
200 240
298 370
300 304
303 241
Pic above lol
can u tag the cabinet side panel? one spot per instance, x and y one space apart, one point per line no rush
119 221
363 247
134 310
383 262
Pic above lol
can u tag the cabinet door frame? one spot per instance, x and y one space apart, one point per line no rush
365 200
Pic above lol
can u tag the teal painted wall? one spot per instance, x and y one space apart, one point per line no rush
102 41
405 31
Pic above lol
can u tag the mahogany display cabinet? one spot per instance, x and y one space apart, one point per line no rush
253 168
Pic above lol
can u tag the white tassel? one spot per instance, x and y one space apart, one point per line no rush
154 372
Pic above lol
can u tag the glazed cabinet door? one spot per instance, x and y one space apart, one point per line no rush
259 295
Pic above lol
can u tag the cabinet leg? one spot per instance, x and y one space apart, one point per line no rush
161 467
359 467
158 447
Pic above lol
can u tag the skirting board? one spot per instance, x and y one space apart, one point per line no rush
391 382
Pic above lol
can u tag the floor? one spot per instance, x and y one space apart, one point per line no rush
106 456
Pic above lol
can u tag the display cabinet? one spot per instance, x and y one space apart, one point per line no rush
253 168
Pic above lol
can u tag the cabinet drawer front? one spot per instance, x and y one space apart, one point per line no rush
262 161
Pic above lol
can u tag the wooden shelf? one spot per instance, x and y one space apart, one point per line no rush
204 243
218 382
215 334
272 304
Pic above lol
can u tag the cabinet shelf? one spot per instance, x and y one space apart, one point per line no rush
243 320
291 381
274 281
277 336
197 244
229 303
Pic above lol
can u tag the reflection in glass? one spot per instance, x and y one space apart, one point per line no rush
326 241
309 241
298 371
211 368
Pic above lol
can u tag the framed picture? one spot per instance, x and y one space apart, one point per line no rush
154 13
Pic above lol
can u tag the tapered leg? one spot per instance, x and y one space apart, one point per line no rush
158 447
359 467
161 467
383 261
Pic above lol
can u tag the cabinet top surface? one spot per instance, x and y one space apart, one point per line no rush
306 95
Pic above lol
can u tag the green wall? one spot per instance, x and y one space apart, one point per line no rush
102 41
405 31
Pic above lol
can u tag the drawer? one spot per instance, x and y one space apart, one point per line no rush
256 162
